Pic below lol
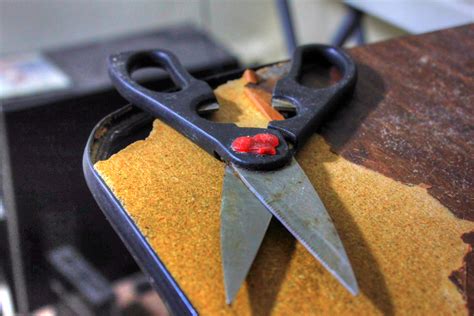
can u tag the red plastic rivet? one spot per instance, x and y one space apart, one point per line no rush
260 144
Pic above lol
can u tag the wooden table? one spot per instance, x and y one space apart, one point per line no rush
412 119
394 167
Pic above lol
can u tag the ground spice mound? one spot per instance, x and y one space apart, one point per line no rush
403 244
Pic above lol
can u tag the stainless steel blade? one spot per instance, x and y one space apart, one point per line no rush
208 108
244 221
289 195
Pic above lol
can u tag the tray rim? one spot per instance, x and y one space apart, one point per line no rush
142 252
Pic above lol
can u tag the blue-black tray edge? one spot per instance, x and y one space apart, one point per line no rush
149 262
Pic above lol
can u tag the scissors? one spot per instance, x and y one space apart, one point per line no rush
262 178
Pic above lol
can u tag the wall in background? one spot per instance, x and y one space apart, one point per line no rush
249 28
29 24
317 21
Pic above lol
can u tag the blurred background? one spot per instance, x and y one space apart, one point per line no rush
250 29
58 253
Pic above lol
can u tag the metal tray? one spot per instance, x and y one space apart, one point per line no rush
113 133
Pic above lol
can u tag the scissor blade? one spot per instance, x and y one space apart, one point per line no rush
289 195
244 221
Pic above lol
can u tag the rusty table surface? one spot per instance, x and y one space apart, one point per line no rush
412 119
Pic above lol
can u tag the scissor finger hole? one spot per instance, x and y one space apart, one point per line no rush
318 72
154 78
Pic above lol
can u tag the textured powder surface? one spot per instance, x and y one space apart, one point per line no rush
403 244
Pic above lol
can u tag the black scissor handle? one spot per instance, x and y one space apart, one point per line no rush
191 92
312 105
179 109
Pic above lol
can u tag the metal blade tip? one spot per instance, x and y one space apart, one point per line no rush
230 294
290 196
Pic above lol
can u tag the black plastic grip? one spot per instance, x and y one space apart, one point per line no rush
179 109
191 92
312 105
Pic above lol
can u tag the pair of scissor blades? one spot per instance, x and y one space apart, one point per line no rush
262 178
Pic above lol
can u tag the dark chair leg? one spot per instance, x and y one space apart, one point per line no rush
287 24
351 25
360 35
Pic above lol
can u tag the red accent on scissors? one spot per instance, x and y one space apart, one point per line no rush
260 144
